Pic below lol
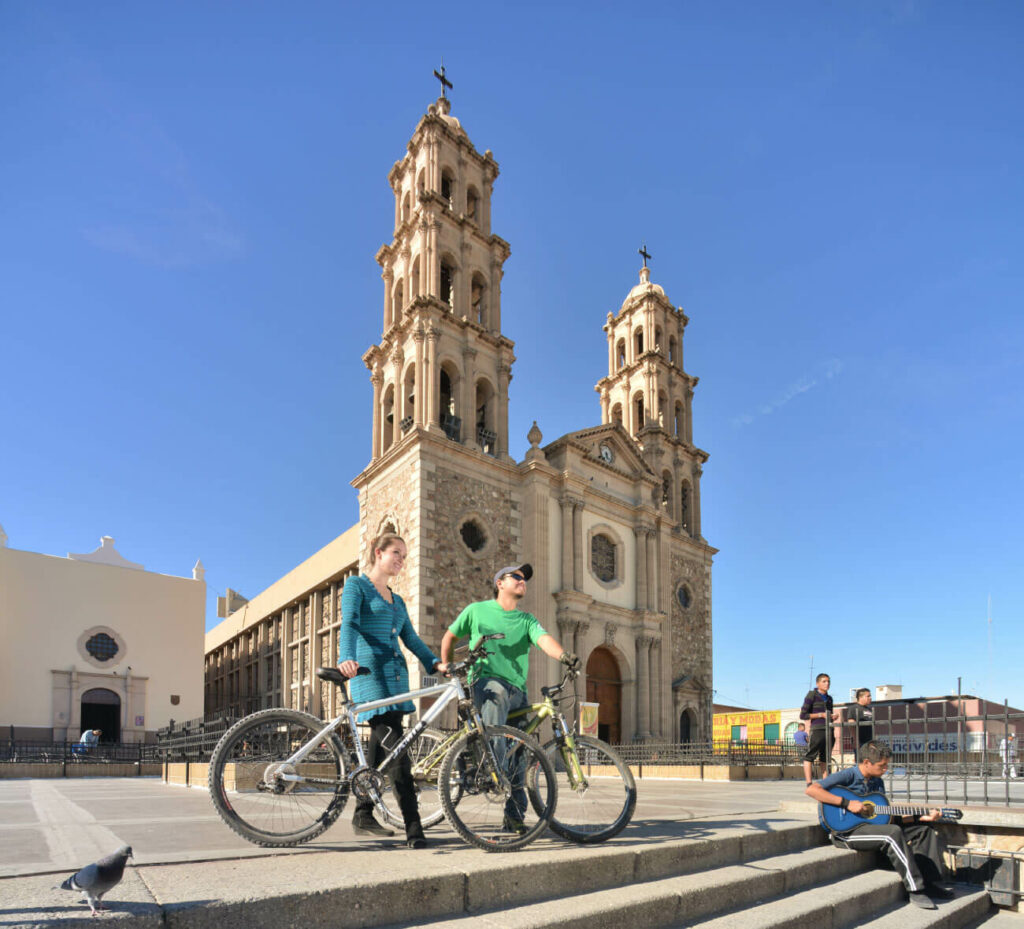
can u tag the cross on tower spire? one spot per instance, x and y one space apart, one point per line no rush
445 83
643 251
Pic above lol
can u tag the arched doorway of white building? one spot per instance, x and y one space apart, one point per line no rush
604 687
101 709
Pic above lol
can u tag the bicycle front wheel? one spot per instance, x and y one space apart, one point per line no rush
263 797
426 753
596 790
497 809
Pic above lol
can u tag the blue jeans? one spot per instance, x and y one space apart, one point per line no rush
495 699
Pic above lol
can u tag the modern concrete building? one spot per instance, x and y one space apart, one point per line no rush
96 641
609 515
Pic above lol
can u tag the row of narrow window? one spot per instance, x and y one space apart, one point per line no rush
448 191
484 408
638 347
447 278
677 426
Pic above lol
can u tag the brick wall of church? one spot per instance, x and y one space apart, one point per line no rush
691 628
460 576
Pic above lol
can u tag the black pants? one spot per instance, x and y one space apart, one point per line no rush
915 850
385 731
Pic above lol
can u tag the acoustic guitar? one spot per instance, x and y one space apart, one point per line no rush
876 810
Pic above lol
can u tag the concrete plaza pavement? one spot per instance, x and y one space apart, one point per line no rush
191 870
60 824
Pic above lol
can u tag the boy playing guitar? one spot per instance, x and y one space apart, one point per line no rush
913 846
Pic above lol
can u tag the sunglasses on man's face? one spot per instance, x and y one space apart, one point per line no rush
516 577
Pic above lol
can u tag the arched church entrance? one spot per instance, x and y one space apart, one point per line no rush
687 726
604 687
101 709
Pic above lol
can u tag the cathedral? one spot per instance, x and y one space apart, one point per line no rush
609 516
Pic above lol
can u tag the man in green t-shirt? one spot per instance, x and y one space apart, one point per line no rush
499 681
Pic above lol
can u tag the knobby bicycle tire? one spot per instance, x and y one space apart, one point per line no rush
265 809
425 773
492 817
601 809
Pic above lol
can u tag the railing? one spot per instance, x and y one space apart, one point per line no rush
33 752
718 752
193 739
937 753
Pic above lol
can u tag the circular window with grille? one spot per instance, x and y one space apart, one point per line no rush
102 647
684 596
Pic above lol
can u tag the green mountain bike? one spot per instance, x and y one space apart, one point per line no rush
596 789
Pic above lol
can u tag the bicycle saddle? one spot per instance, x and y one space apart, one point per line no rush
336 677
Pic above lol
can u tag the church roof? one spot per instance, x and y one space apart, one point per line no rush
589 440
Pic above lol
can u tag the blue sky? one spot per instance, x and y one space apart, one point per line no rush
193 194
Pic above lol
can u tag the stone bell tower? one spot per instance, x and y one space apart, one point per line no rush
649 394
440 473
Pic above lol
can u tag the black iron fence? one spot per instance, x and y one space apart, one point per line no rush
939 752
192 739
33 752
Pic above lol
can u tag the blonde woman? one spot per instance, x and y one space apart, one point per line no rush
373 620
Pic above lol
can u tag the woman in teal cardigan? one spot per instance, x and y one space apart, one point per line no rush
373 619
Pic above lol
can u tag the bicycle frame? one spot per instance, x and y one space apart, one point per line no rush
563 735
453 690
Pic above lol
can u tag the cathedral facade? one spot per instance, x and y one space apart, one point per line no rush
609 516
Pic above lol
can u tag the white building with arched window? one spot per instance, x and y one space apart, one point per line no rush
96 641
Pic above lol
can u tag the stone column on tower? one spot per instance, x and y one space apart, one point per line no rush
643 693
640 534
577 544
377 379
433 379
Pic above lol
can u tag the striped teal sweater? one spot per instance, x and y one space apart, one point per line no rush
370 630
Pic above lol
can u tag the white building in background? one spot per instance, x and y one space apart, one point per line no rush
96 641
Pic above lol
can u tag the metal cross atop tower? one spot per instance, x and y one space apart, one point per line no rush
643 251
445 83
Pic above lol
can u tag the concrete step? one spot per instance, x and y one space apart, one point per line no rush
669 901
999 918
965 909
873 899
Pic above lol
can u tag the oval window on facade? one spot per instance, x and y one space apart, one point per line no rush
602 558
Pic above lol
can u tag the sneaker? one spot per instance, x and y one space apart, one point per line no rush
517 826
921 899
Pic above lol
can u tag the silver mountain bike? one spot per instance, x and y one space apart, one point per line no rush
281 777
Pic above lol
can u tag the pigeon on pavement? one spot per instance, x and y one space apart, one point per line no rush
94 880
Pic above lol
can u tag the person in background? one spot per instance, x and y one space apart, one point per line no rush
861 715
373 619
817 710
800 736
1008 752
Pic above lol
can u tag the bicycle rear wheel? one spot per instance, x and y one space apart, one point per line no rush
497 810
426 752
249 782
601 804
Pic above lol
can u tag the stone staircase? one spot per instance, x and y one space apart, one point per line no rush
784 877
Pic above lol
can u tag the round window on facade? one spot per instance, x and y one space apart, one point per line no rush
683 596
101 646
474 537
